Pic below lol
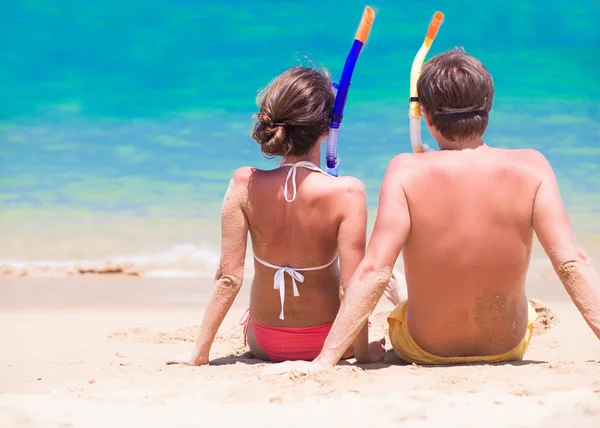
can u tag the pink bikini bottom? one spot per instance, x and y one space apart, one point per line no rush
288 343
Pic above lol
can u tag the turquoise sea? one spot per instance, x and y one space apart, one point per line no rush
121 122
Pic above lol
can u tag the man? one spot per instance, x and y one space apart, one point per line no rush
463 218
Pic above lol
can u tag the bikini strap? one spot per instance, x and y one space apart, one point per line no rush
294 273
292 173
245 321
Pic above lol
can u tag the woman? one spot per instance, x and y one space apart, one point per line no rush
301 222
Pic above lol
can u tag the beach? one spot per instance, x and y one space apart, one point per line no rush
121 125
91 352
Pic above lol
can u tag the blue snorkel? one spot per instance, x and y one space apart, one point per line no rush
341 90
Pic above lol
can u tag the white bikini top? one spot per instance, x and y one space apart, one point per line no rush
294 273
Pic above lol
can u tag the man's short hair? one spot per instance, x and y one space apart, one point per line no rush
456 91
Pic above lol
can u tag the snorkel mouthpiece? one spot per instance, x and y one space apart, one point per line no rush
360 38
434 26
414 112
365 25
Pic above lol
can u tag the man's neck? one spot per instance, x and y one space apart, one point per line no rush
461 144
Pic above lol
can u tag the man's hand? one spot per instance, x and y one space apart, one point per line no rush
377 350
295 368
396 291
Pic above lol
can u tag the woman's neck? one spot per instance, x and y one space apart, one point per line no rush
313 156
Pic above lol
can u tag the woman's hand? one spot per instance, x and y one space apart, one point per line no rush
192 360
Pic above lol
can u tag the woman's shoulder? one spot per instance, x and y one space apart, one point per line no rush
242 175
350 184
347 190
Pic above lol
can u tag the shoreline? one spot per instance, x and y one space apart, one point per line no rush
200 262
102 241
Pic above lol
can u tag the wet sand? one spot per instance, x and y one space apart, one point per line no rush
91 352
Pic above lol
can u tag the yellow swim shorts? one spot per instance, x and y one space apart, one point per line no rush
408 350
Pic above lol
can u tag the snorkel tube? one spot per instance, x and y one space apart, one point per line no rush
414 113
342 90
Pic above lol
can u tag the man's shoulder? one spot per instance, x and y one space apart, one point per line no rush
529 159
404 163
529 155
408 166
404 159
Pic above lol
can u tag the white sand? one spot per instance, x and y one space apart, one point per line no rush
102 364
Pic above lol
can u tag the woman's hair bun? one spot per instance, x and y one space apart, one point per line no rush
271 136
294 112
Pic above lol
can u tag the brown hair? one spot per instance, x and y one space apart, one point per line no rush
456 92
294 112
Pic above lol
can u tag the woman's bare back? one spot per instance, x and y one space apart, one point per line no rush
302 233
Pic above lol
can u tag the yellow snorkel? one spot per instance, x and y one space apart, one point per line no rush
414 113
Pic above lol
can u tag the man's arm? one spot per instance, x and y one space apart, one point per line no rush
553 229
366 287
230 273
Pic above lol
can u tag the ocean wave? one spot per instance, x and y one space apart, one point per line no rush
182 261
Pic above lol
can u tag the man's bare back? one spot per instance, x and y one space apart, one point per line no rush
471 217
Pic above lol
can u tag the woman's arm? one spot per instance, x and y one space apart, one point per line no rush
351 244
230 273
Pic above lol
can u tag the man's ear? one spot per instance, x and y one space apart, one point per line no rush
427 118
